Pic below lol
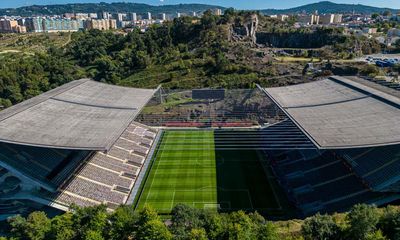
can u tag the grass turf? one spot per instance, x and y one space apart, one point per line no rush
188 169
182 176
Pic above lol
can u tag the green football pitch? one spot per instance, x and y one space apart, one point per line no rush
187 168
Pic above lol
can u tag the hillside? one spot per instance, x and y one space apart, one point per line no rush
330 7
109 7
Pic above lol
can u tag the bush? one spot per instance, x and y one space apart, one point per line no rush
320 227
389 223
363 220
370 70
36 226
377 236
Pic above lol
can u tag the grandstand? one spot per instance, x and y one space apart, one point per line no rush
109 177
76 144
315 147
357 145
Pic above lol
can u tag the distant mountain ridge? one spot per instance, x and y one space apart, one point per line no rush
141 8
122 7
330 7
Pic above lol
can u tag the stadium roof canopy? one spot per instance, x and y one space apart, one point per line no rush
82 114
337 113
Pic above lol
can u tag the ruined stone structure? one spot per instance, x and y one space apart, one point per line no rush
245 30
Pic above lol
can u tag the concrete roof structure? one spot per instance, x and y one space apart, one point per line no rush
82 114
338 113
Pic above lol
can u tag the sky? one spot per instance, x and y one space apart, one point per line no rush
238 4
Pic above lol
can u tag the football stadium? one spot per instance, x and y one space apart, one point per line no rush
285 152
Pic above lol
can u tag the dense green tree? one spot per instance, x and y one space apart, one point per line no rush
153 230
389 222
197 234
5 103
13 93
140 59
147 214
320 227
363 220
377 236
267 231
22 77
93 235
264 230
62 227
240 226
375 15
387 13
150 226
209 20
17 227
214 225
122 223
107 70
369 70
183 30
184 218
95 223
89 220
58 69
34 227
87 46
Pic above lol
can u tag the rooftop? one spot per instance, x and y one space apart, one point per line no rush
338 113
83 115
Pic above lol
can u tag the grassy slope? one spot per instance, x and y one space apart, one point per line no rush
31 42
193 73
152 76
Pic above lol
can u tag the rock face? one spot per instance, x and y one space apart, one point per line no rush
245 30
251 25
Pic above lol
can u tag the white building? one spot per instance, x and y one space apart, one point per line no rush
218 12
81 16
282 17
93 15
328 19
133 17
104 15
308 19
163 17
120 17
338 18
